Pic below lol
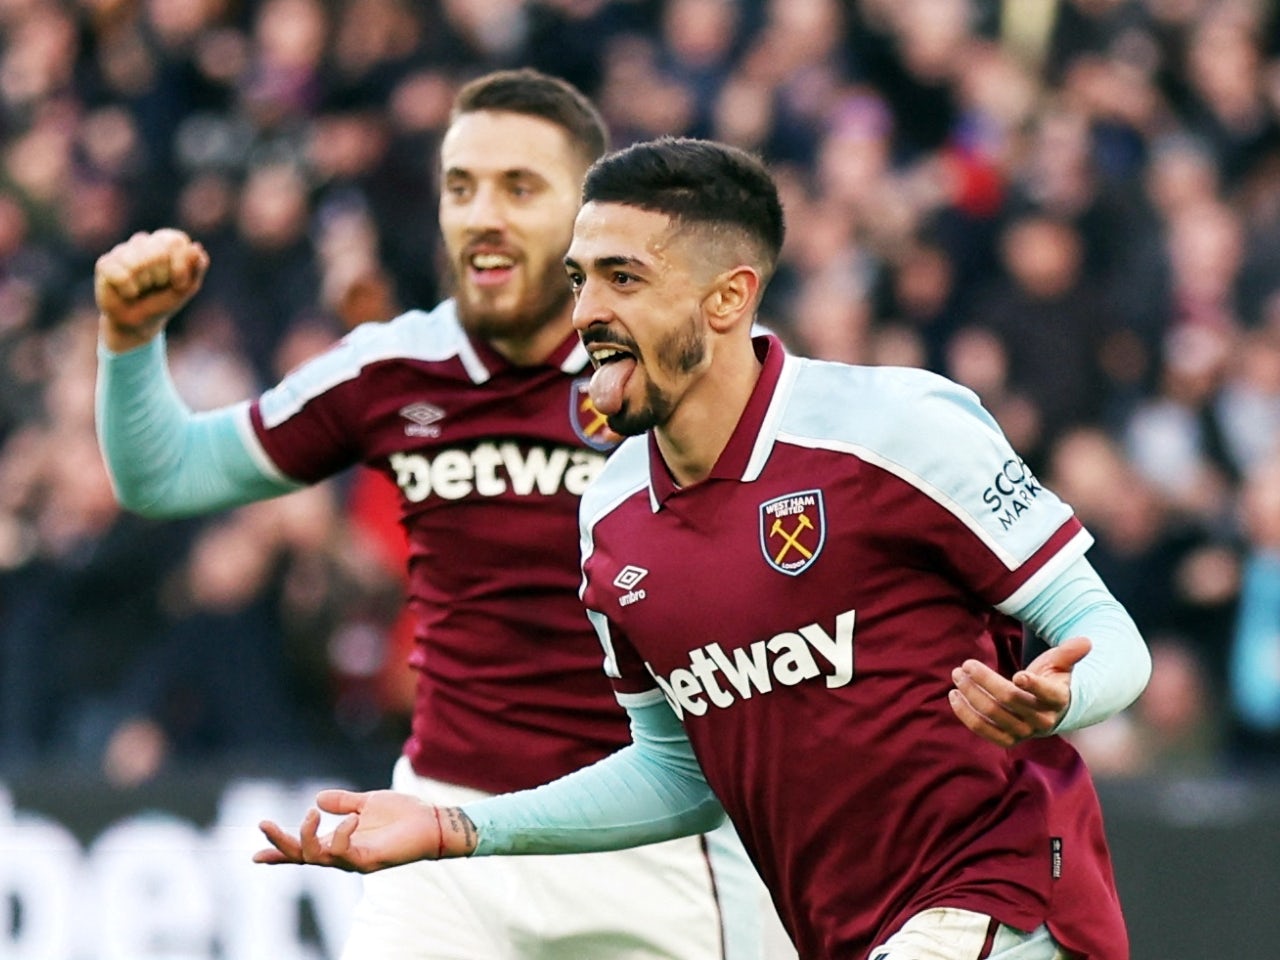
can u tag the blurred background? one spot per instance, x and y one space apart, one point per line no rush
1070 206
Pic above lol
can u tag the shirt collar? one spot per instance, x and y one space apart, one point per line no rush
739 460
569 356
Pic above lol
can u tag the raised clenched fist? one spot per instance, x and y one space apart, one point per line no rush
140 283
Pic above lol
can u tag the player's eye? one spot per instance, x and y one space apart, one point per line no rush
458 190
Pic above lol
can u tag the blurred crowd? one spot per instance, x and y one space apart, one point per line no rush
1070 206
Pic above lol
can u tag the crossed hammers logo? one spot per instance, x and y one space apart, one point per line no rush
598 420
791 539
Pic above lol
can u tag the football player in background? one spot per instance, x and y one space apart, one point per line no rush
479 412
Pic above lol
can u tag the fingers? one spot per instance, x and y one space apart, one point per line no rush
977 722
1048 676
984 713
146 263
1049 690
340 841
1004 712
186 263
982 686
1061 658
309 837
284 847
340 801
381 828
271 856
309 847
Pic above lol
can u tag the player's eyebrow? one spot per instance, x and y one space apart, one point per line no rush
607 263
514 173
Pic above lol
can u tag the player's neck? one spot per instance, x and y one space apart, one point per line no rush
701 426
535 347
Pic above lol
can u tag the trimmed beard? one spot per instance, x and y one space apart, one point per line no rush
526 319
681 352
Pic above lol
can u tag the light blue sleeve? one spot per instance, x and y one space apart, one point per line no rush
1076 603
1254 665
165 460
649 791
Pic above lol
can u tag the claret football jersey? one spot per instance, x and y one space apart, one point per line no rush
490 460
801 609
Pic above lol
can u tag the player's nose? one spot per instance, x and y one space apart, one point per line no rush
486 211
590 306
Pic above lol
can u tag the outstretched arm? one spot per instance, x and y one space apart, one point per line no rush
649 791
1097 664
163 459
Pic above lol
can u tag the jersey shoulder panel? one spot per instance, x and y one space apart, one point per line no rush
415 335
871 406
932 433
625 472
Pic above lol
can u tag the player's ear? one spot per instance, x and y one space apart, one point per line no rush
732 296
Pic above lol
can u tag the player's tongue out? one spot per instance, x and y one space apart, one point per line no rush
608 382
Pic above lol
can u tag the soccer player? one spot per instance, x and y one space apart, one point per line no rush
479 411
810 581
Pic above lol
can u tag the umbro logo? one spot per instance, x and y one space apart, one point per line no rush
629 576
423 419
628 579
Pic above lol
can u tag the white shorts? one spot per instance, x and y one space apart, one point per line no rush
948 933
697 898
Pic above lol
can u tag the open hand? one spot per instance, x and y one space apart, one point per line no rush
1031 703
382 828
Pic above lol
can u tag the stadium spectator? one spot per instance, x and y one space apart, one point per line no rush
1254 673
81 581
1052 321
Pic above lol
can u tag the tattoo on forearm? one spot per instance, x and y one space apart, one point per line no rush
459 824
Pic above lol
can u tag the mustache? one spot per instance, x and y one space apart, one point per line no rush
602 336
490 242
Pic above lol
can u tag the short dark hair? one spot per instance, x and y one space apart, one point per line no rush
536 94
694 182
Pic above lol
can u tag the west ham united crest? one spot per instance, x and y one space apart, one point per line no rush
588 422
793 529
